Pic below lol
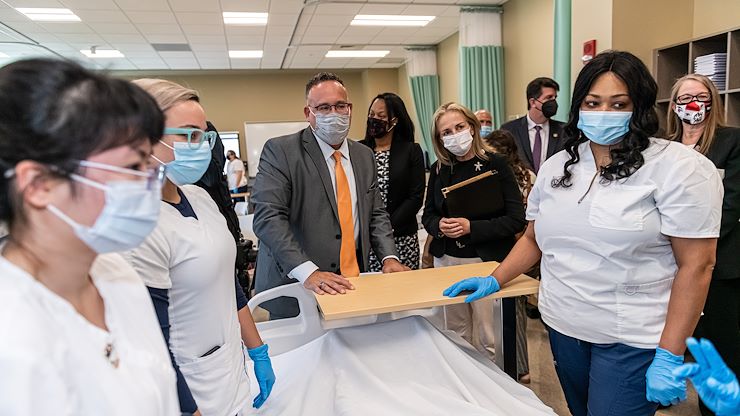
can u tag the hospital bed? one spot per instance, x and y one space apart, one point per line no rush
337 360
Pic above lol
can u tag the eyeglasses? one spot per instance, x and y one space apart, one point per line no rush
195 137
154 176
702 97
341 108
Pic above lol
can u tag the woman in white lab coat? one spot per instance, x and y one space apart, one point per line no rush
187 264
78 334
626 227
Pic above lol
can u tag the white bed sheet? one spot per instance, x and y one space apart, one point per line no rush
403 367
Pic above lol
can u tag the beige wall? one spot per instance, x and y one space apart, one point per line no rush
591 19
448 69
712 16
527 27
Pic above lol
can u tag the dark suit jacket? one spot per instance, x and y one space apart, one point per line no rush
520 130
725 154
405 186
295 212
493 238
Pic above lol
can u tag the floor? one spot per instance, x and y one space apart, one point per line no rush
545 382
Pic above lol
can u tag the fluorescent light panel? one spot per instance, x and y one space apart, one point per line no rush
245 54
242 18
356 54
102 53
390 20
44 14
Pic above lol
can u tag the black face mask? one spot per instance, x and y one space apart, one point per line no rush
376 128
549 108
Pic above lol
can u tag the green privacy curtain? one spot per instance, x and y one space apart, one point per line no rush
482 79
425 91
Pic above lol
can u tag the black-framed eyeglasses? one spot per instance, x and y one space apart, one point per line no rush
702 97
341 108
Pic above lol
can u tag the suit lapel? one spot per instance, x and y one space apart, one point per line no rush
523 139
554 139
314 152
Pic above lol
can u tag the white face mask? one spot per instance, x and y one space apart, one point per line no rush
130 214
459 143
692 113
331 128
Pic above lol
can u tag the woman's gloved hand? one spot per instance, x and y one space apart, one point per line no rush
662 386
263 372
482 287
713 380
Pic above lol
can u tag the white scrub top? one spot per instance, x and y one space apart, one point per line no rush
232 167
607 262
53 361
194 260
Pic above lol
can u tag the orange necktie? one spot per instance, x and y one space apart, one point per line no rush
347 254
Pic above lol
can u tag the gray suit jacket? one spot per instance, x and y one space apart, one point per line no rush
295 211
520 130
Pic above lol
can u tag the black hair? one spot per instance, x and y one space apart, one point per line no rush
394 108
56 113
626 157
534 88
322 77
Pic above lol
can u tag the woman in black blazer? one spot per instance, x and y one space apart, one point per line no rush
400 165
696 119
461 155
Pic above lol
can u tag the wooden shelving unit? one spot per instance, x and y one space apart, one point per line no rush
674 61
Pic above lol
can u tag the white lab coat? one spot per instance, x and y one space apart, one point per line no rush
52 360
194 260
607 262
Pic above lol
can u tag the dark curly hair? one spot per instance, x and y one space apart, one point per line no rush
394 108
626 157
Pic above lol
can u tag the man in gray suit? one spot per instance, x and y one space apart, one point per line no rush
537 136
317 205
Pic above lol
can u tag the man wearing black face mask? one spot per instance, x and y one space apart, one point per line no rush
537 136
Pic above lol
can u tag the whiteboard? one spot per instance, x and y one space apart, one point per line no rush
257 134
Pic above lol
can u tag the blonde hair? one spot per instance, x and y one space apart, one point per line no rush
715 117
166 93
479 146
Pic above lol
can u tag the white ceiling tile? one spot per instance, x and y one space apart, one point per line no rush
34 3
211 55
425 40
339 8
209 47
436 31
195 39
148 5
10 15
215 64
419 10
284 6
114 28
330 20
154 61
90 39
444 21
324 30
270 65
247 5
182 63
139 54
367 63
245 63
42 37
245 44
214 30
78 5
68 27
245 30
155 29
102 16
166 38
194 5
199 18
382 9
167 56
275 40
25 26
279 30
368 32
124 38
308 38
156 17
118 64
281 19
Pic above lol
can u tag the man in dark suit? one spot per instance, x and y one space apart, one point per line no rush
317 205
537 136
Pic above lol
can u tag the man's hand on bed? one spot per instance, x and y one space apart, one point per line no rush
481 287
392 265
326 282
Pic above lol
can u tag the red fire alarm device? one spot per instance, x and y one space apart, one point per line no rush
589 50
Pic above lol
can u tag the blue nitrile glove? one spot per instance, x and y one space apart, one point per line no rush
482 287
662 386
263 372
235 191
713 380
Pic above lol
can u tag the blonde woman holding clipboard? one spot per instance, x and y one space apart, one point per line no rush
473 211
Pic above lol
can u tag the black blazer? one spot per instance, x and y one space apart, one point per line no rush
405 186
520 130
494 238
725 154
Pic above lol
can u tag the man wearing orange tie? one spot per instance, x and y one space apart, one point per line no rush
317 206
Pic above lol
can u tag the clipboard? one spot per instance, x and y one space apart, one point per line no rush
477 198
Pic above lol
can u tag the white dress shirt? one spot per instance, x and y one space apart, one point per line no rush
544 134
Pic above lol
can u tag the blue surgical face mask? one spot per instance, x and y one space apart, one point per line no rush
604 127
189 165
485 130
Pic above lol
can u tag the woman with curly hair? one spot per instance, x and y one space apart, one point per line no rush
626 228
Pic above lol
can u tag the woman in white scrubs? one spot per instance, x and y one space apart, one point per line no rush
187 264
78 333
626 228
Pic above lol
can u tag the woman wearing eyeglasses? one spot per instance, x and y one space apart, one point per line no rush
696 119
78 334
187 264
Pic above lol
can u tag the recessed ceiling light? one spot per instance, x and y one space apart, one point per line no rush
241 18
356 54
390 20
102 53
44 14
245 54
